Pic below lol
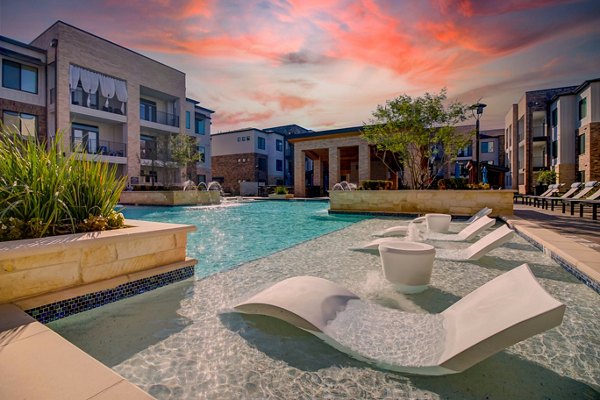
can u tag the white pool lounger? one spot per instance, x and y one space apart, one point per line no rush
504 311
402 230
480 248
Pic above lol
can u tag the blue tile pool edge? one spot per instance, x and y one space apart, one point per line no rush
64 308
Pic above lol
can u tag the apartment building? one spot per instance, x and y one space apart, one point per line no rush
527 138
109 102
23 90
245 160
288 149
491 154
575 133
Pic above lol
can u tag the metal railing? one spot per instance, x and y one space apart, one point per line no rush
160 117
149 151
538 131
101 147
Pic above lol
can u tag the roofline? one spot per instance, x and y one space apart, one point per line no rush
204 108
576 90
337 131
21 44
238 131
106 40
192 100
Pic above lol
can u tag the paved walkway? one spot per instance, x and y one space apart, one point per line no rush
570 240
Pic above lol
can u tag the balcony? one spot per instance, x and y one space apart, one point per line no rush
105 148
539 162
160 117
149 152
97 102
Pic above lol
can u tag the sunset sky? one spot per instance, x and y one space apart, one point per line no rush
327 64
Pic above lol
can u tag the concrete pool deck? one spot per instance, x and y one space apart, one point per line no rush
35 362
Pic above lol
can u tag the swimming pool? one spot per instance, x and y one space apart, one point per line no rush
233 233
182 341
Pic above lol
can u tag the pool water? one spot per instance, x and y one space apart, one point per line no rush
233 233
183 342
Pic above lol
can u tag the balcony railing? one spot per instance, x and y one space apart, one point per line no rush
149 151
97 102
539 162
101 147
159 117
538 131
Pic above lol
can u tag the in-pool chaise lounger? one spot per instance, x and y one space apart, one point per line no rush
474 252
502 312
402 230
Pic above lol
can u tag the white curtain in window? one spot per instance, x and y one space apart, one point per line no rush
121 91
74 72
89 82
107 87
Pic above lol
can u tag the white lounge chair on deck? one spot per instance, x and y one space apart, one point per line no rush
468 233
480 248
504 311
402 230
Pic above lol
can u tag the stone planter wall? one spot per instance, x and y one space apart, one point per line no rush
454 202
33 267
281 196
171 197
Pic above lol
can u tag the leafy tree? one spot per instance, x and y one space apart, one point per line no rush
419 134
184 151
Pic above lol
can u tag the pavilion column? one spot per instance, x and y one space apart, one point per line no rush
364 162
318 172
334 166
299 173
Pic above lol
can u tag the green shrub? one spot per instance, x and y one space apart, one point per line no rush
376 185
546 177
281 190
453 183
43 192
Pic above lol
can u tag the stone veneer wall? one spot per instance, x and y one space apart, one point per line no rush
171 198
17 106
33 267
455 202
590 161
233 171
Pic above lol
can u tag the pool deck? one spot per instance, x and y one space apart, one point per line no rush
35 362
573 242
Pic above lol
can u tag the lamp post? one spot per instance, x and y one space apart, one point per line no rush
477 110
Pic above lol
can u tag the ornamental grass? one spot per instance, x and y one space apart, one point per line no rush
44 192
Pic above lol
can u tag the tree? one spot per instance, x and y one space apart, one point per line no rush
419 134
184 151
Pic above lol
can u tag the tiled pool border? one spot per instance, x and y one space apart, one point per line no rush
64 308
591 283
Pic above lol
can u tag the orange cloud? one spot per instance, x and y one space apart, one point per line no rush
241 118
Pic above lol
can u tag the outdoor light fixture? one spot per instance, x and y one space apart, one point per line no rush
477 110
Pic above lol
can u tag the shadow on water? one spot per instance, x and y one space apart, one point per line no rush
115 332
541 271
433 300
502 376
520 246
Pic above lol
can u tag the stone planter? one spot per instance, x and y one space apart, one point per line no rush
454 202
96 260
281 196
171 197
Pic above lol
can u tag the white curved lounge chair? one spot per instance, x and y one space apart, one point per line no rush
480 248
504 311
401 230
474 252
468 233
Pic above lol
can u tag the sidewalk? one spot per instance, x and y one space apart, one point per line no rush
572 241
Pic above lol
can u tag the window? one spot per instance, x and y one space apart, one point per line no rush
278 165
279 145
487 147
581 144
555 117
262 164
25 124
248 138
188 120
583 108
19 77
262 144
201 178
465 152
201 154
84 138
199 126
79 97
147 110
554 149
